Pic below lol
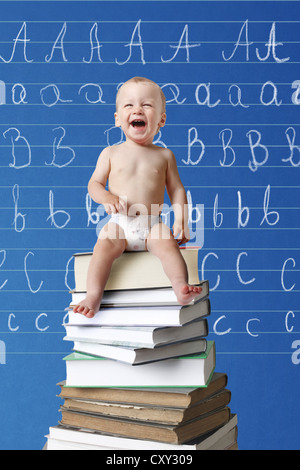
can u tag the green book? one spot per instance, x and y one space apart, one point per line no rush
83 370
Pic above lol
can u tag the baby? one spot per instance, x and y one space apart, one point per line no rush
138 172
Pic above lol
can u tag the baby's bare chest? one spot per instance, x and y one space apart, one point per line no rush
143 168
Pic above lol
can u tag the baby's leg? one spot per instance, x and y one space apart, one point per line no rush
162 244
110 245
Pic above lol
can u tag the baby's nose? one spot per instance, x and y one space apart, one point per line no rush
138 109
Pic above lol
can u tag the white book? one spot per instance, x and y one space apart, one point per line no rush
141 297
136 356
89 371
175 315
62 437
59 444
138 337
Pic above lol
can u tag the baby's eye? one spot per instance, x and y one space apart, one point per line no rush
128 105
148 105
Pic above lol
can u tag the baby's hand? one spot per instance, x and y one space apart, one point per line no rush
113 204
181 233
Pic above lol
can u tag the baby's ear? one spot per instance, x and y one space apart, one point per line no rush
117 121
163 119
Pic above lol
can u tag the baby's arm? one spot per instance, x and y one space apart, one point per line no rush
178 200
97 183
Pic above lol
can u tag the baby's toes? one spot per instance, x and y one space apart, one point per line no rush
185 289
84 310
90 313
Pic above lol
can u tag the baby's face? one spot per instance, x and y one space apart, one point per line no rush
140 112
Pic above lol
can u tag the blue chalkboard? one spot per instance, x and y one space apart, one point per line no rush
230 72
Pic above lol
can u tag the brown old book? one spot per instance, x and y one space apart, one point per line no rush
144 430
158 414
71 438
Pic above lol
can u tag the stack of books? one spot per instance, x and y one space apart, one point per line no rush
142 372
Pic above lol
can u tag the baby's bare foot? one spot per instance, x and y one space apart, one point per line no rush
88 307
186 293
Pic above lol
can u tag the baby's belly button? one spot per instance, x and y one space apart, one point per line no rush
142 209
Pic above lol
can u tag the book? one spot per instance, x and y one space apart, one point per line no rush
137 315
84 370
181 397
138 356
138 337
141 297
178 434
157 414
66 437
142 374
134 270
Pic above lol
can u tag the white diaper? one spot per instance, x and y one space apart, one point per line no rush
136 229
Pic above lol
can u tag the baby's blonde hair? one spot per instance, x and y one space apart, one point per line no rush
144 80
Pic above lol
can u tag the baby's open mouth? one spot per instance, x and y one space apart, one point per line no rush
138 123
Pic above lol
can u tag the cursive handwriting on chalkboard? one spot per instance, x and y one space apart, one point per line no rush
58 51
